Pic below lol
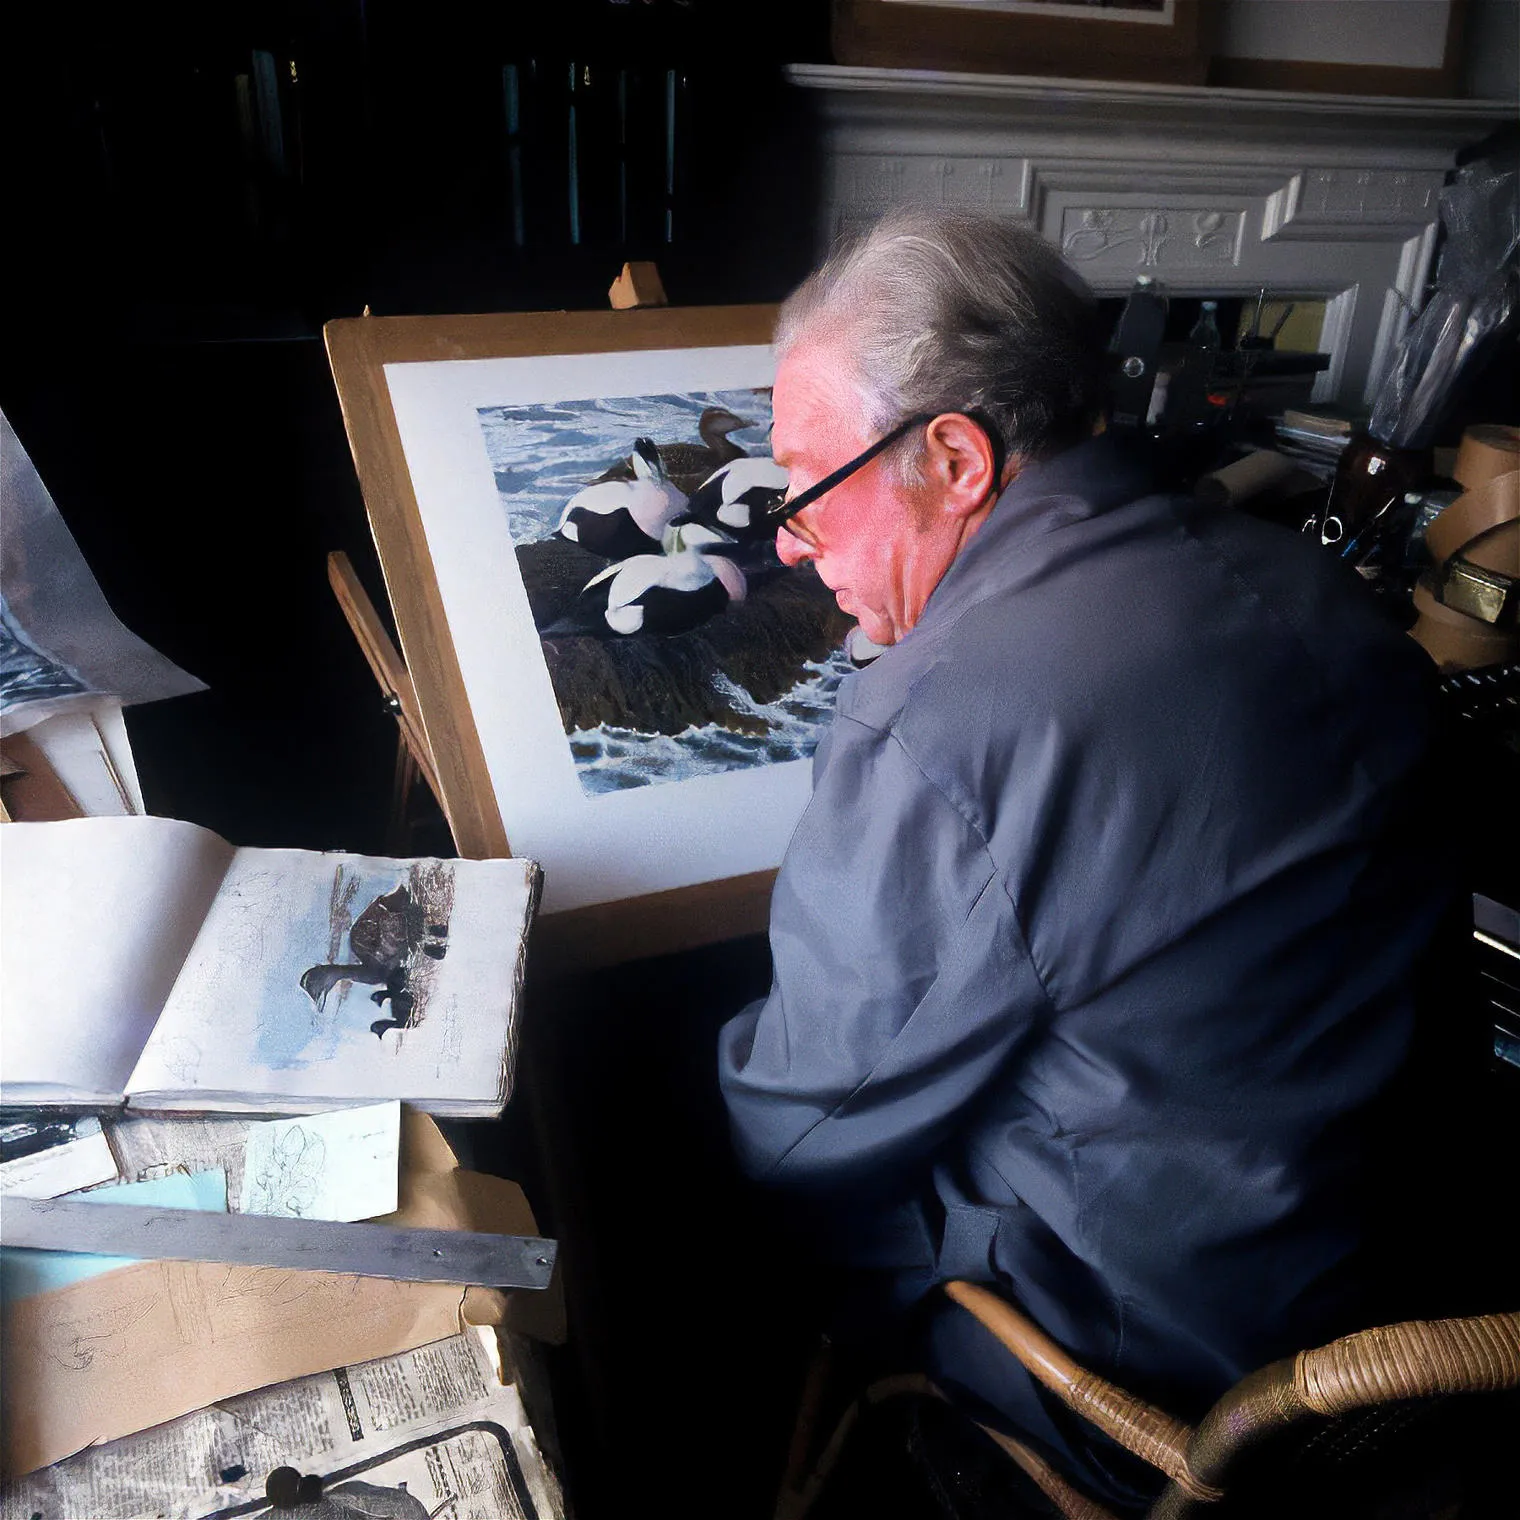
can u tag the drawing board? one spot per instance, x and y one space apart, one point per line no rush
656 776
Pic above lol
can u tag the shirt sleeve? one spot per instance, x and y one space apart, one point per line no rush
902 983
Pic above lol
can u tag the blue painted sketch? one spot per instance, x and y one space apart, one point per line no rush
393 943
27 673
369 969
677 642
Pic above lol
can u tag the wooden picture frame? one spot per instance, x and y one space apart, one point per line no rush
1168 42
400 381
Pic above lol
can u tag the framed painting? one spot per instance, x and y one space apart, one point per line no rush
617 679
1157 41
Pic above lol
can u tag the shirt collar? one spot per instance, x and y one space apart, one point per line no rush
1082 482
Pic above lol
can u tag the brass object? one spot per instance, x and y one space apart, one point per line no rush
1480 593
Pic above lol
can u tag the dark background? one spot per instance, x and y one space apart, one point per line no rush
190 191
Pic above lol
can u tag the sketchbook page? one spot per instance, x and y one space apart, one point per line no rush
325 981
95 919
342 1165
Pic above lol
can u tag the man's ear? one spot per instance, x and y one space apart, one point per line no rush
960 463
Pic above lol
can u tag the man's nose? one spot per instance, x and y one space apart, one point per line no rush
790 549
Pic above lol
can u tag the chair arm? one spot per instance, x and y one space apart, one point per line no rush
1148 1432
1416 1359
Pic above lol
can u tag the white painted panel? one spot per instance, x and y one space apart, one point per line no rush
1409 34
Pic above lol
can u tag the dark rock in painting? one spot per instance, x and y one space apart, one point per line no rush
666 684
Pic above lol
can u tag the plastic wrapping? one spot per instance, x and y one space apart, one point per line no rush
1476 299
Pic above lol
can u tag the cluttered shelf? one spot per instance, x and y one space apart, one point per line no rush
1420 495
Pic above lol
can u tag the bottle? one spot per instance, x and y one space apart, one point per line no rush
1205 333
1368 477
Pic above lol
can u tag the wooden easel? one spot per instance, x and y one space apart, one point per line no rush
414 755
445 748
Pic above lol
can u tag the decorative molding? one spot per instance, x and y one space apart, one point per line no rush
1151 240
1218 192
1341 199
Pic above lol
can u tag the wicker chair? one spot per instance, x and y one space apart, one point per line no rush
1284 1426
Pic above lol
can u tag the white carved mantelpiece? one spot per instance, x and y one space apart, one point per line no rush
1214 192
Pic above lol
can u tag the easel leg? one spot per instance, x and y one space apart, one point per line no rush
398 830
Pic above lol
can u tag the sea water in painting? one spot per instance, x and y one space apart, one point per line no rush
677 643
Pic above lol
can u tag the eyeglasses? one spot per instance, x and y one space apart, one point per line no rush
780 513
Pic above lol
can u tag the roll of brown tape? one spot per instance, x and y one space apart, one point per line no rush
1478 510
1458 642
1498 551
1487 451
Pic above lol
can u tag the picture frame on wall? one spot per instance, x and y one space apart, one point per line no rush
654 772
1153 41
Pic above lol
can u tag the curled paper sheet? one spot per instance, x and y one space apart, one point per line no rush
61 646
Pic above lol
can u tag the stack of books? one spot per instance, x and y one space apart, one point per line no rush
1317 439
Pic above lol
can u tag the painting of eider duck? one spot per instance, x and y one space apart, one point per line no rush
394 944
676 641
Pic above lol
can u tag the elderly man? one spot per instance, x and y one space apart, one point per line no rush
1093 949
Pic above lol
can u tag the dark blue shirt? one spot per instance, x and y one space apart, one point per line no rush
1093 947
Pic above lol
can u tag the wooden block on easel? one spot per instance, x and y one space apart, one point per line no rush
638 285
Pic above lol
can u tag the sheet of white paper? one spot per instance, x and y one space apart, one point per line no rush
96 917
112 724
593 849
272 1001
60 643
72 743
339 1165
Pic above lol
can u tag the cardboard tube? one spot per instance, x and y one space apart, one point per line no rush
1257 472
1475 513
1487 451
1498 551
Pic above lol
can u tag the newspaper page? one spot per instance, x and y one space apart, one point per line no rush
475 1471
219 1457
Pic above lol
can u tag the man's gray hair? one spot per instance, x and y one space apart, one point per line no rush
946 312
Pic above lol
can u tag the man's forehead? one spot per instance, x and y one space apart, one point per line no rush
814 402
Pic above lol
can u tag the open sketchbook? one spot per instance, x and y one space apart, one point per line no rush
148 962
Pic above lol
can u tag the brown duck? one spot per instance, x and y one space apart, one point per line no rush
687 465
383 939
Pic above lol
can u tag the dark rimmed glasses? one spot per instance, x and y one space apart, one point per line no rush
780 513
